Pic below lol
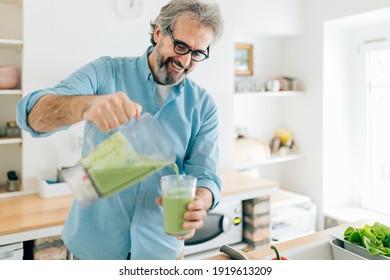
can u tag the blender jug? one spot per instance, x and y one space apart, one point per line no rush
120 159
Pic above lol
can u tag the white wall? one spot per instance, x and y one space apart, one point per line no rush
337 112
264 17
61 36
307 176
260 116
348 88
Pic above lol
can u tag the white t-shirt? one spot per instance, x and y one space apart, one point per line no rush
162 94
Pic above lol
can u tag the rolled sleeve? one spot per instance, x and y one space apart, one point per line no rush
24 107
84 81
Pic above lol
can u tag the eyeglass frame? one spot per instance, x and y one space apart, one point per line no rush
189 50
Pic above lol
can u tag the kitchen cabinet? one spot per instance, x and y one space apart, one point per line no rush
12 251
11 53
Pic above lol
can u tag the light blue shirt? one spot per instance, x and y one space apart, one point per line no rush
131 220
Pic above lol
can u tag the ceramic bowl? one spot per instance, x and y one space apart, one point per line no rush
9 76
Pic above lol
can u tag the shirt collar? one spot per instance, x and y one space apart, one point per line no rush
145 64
148 73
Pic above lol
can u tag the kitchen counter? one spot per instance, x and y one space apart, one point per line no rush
30 217
236 185
313 246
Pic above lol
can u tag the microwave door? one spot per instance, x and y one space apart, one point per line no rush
214 225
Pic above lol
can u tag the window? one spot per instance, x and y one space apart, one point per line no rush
376 194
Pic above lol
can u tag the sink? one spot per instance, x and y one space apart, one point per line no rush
316 250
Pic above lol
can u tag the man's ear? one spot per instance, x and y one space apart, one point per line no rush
157 34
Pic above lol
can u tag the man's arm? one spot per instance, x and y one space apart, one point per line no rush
106 111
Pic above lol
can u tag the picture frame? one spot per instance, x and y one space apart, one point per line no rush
243 59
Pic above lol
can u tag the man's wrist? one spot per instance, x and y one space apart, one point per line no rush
206 195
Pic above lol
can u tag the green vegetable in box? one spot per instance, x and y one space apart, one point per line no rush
375 238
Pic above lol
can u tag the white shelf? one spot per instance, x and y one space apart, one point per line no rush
11 49
5 194
270 93
273 159
13 2
10 42
11 92
282 158
9 140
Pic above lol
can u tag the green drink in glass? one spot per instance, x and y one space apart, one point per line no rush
177 192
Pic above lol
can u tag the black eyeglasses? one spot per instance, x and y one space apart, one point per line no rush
182 48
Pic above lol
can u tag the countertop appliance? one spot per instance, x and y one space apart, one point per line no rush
222 226
292 215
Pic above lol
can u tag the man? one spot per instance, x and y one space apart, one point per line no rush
110 91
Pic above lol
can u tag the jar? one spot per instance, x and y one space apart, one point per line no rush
12 129
3 131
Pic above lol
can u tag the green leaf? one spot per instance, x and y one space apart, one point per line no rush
372 249
375 238
355 238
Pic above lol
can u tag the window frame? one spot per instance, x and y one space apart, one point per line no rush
364 48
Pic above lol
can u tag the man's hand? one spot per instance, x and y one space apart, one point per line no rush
111 110
197 211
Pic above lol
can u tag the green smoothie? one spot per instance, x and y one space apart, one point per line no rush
176 169
114 165
175 205
110 181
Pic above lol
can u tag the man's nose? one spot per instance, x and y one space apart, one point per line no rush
185 59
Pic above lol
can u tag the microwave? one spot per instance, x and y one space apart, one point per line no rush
222 226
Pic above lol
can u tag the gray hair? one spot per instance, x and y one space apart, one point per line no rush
207 13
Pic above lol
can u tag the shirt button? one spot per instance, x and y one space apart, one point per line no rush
133 227
139 200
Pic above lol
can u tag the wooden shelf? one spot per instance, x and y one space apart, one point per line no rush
11 92
10 140
270 93
273 159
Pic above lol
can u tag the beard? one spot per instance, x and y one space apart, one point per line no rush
166 76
